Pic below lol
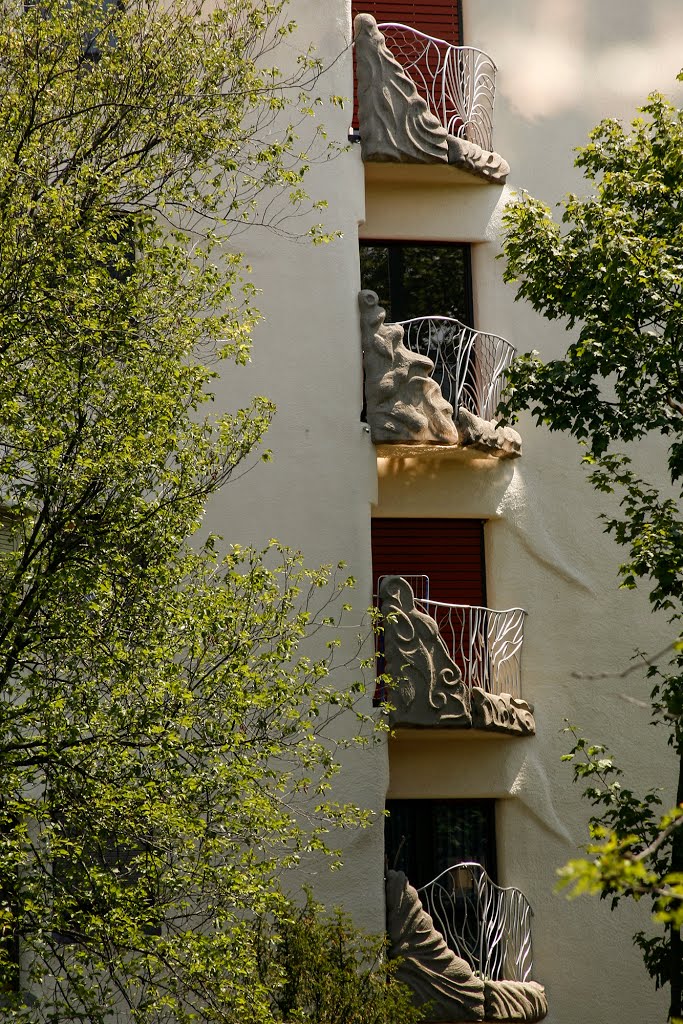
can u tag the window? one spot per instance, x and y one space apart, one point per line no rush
95 879
414 279
9 930
425 837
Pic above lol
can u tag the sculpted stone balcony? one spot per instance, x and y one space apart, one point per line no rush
465 946
423 101
434 381
452 666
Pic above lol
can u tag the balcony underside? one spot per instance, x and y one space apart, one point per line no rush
461 450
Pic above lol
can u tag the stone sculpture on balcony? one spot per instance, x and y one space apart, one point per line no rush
405 405
437 976
396 125
427 686
403 402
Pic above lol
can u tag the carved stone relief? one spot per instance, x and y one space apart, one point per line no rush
487 435
437 976
396 125
403 402
430 969
514 1000
500 712
427 686
468 156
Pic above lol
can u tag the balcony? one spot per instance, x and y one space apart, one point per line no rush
434 381
452 666
465 946
422 100
483 923
458 83
469 366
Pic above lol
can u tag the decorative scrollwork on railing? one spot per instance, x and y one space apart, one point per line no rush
485 644
457 82
487 925
469 366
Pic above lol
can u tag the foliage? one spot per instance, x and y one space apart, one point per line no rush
613 271
163 745
320 969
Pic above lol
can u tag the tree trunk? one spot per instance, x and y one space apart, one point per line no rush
675 943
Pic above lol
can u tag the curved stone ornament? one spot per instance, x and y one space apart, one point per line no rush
487 435
427 687
515 1001
396 125
468 156
500 712
430 969
403 402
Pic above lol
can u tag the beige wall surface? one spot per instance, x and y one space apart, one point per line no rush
316 493
563 64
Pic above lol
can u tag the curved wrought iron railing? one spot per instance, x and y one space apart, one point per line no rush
469 366
487 925
485 643
458 83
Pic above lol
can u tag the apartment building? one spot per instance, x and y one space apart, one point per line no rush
385 353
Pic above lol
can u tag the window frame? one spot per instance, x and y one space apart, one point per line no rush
430 807
394 246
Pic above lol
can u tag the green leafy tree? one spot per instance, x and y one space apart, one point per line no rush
161 726
613 271
318 968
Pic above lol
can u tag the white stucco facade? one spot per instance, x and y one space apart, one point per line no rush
562 65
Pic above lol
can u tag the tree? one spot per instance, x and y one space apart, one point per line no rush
318 968
613 270
163 750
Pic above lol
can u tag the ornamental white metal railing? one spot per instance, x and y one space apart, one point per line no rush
458 83
485 643
469 366
483 923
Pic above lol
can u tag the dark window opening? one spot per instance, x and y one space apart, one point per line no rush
416 279
96 879
425 837
9 906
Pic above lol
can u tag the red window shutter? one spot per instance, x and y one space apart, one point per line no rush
440 18
449 551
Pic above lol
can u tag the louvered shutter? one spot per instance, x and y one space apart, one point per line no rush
440 18
449 551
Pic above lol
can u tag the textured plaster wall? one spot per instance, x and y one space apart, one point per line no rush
316 493
563 64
